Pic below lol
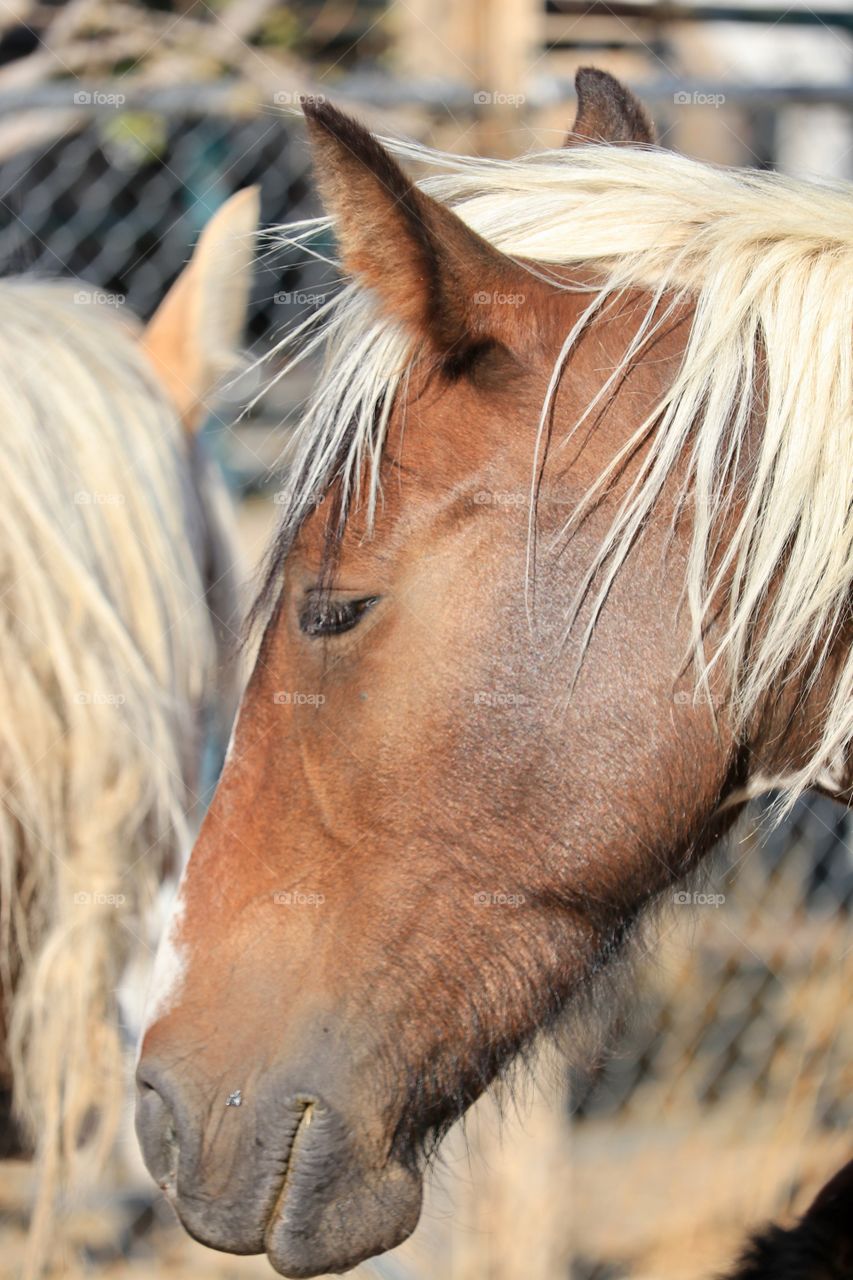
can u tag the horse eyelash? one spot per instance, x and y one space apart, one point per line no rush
322 616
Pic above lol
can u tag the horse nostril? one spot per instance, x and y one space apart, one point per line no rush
158 1135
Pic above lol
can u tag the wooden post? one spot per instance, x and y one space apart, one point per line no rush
509 37
490 45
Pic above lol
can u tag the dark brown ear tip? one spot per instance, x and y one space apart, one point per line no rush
593 82
587 77
319 110
608 111
327 123
322 115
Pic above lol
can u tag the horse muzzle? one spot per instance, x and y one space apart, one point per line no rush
273 1167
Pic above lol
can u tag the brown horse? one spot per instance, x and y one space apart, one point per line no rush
563 577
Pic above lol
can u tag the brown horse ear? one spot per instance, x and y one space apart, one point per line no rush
194 337
448 285
607 111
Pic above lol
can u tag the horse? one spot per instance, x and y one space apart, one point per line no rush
120 601
562 578
819 1246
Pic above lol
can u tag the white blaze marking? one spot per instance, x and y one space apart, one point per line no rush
170 964
230 748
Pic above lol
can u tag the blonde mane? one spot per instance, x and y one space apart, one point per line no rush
106 647
767 263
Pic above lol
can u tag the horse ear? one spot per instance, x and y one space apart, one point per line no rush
607 111
426 268
195 334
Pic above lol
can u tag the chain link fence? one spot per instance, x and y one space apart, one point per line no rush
114 197
729 1097
780 897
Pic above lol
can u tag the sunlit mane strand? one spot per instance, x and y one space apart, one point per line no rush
767 263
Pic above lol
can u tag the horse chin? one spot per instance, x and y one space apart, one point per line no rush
314 1234
323 1222
332 1211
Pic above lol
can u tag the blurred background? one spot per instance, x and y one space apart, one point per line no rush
727 1094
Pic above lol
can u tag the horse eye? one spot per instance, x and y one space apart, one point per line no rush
322 616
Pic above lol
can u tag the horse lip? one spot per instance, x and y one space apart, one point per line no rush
303 1124
334 1210
228 1221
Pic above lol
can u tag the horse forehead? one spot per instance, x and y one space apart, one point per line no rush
493 414
448 434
